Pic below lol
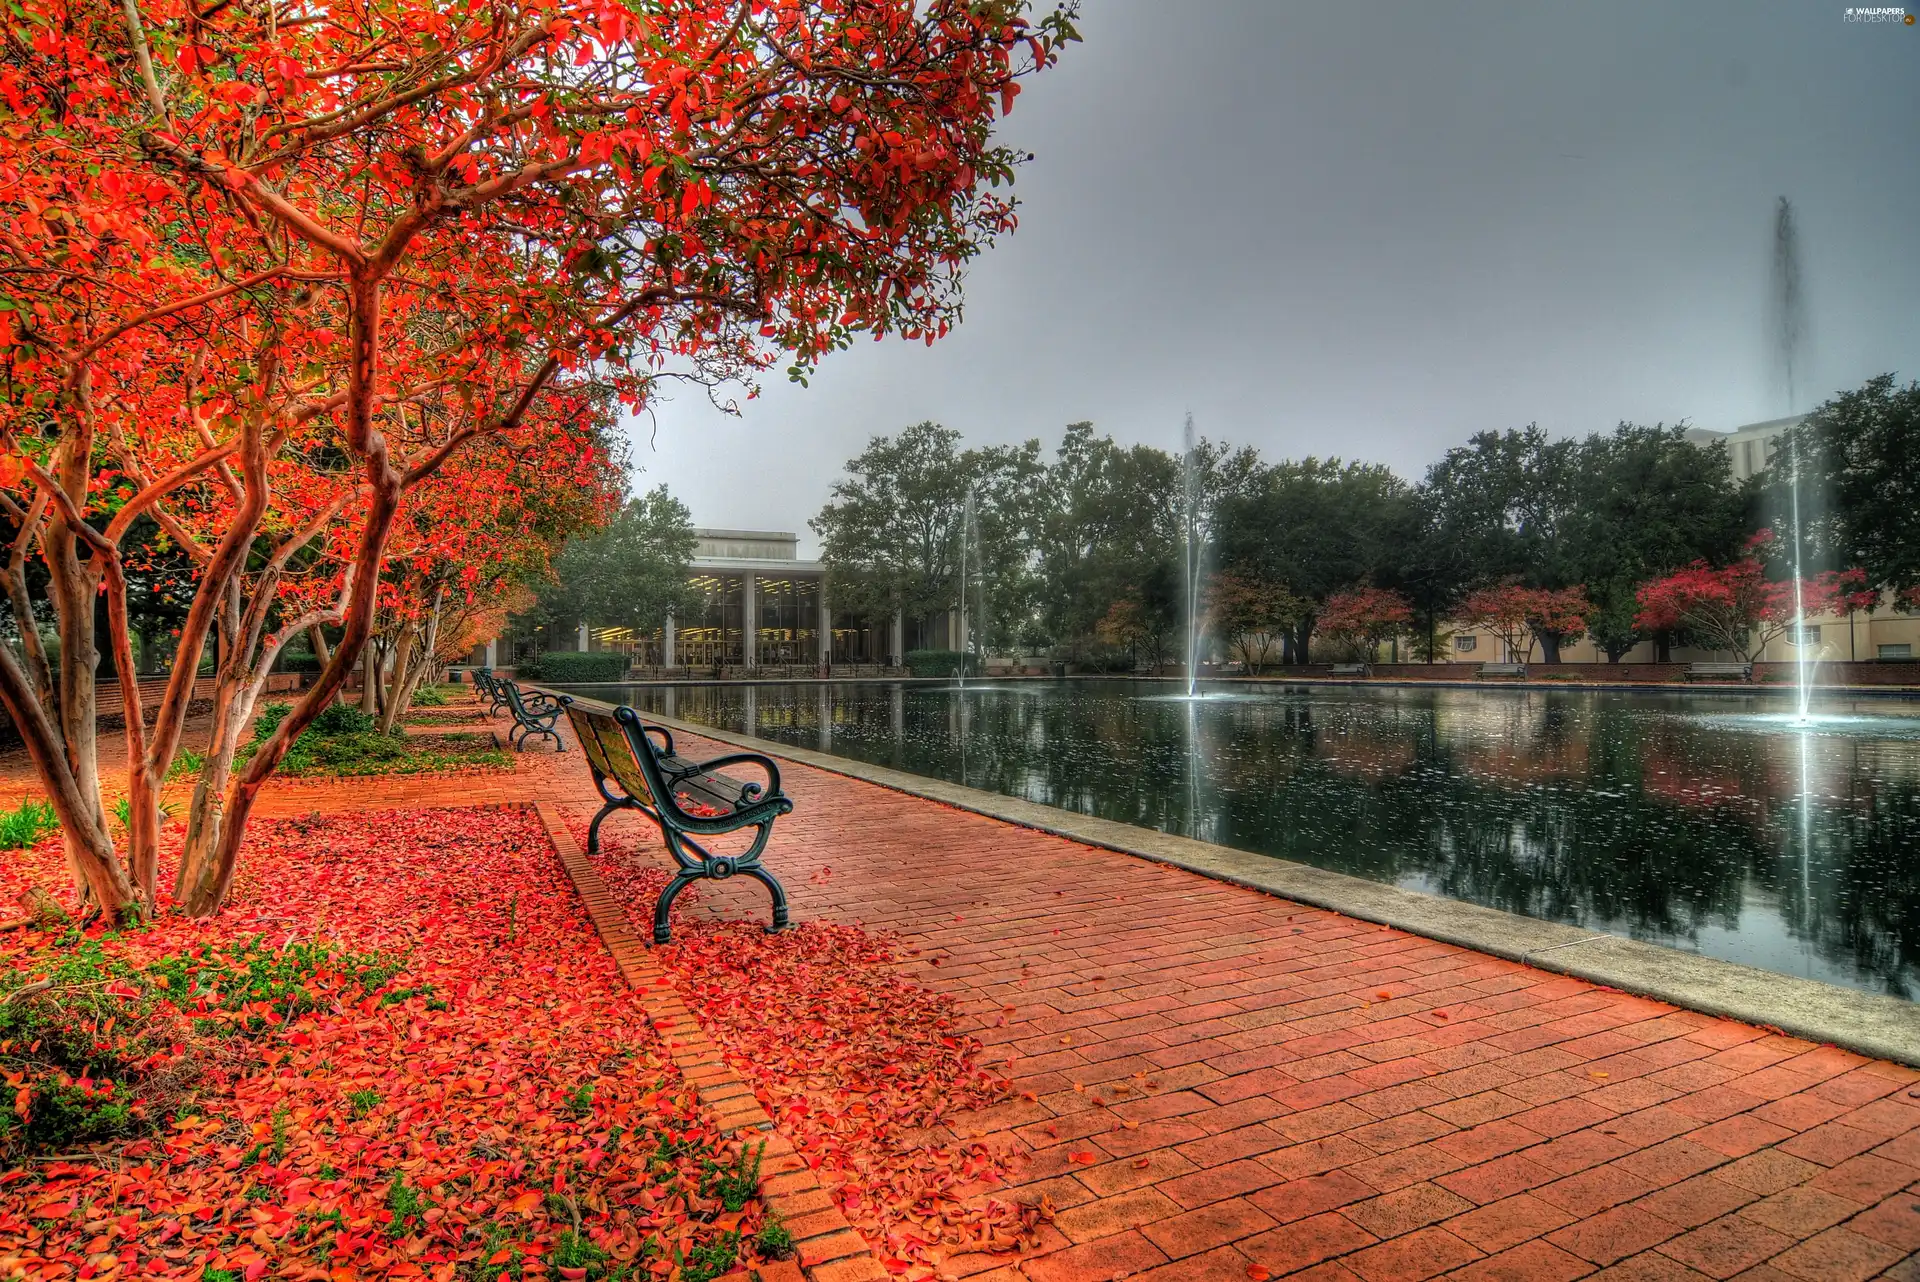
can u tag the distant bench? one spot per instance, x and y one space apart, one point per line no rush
685 799
1718 672
1351 670
1492 670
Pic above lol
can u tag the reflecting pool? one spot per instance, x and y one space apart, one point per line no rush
1704 821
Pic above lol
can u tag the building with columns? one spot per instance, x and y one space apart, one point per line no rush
761 606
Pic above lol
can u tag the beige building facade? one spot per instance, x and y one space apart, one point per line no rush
1883 634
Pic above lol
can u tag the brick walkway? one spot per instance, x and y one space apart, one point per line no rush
1227 1085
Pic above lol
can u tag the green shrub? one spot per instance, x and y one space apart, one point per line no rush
342 718
941 663
737 1182
291 980
430 697
303 661
566 667
267 719
22 828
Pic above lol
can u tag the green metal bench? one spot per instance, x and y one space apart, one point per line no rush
533 714
490 686
635 768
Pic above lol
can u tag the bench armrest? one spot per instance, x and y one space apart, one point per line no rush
666 738
752 792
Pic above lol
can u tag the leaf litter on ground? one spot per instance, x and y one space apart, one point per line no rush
860 1067
399 1052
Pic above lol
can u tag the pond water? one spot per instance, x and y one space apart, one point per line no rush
1703 821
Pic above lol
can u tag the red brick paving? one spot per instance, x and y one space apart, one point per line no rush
1268 1089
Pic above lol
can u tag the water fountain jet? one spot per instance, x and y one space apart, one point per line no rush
1190 550
1790 327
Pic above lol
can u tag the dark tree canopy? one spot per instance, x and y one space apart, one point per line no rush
631 574
1860 483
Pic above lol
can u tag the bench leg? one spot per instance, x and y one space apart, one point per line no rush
593 829
775 889
662 933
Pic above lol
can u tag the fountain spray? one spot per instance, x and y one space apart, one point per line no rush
1190 551
966 533
1790 321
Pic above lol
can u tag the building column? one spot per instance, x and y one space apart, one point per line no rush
493 652
825 655
899 642
667 639
749 622
583 638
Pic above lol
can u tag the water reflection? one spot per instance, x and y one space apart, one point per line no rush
1681 819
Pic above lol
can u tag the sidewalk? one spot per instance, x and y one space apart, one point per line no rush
1225 1085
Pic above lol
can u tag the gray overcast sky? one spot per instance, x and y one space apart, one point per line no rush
1371 229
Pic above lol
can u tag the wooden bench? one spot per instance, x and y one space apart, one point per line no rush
1504 670
534 713
1718 672
685 800
1351 670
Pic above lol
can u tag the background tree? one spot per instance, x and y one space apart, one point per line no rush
1361 620
1646 501
1737 609
630 574
1860 483
1249 614
1318 527
1109 518
890 531
1502 610
1502 500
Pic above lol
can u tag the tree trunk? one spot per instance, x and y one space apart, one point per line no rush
214 878
398 674
1549 646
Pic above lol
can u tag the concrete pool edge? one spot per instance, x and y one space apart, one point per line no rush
1867 1023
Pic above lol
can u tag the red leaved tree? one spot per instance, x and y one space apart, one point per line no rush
1521 616
270 270
1737 609
1250 612
1361 620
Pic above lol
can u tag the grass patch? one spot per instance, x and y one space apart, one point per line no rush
344 741
99 1048
23 828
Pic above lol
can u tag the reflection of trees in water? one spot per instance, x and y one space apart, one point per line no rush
1554 804
1861 905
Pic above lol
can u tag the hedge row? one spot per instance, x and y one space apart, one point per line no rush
941 663
573 666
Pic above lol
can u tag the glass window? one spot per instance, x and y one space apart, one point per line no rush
1809 634
710 634
1466 644
1896 650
